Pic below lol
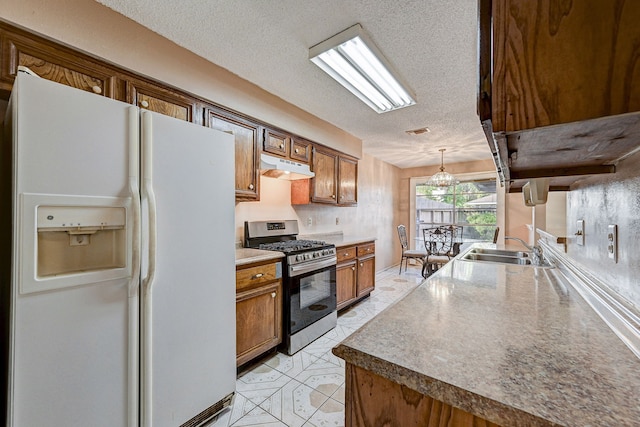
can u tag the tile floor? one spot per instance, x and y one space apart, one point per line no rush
307 389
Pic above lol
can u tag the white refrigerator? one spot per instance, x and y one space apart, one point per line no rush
119 298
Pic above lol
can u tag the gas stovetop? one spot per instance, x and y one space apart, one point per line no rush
291 246
282 236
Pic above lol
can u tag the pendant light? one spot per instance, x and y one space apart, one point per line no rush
442 179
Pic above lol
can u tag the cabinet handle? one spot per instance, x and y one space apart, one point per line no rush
353 268
361 265
96 89
281 145
333 196
346 254
273 294
250 186
144 104
296 151
257 276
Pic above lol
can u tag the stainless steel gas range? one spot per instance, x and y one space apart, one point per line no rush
309 280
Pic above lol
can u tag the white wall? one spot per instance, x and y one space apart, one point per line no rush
600 201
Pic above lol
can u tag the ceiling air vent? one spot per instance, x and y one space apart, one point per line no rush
418 131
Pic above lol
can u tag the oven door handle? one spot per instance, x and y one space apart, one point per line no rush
296 270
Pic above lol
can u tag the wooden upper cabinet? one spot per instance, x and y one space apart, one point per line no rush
246 136
54 63
559 62
150 97
276 142
300 150
559 93
347 181
324 184
335 181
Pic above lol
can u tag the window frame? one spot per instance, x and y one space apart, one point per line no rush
475 176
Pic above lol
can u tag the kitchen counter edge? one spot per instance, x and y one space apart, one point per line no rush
246 256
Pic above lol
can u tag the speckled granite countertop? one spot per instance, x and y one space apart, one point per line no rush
246 256
512 344
339 239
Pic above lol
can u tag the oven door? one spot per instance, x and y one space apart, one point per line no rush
311 294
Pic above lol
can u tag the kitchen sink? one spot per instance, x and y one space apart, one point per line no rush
500 252
503 257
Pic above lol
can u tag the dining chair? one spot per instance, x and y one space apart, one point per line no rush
439 244
407 253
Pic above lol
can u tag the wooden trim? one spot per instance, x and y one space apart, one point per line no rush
562 171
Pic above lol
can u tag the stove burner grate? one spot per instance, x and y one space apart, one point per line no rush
292 245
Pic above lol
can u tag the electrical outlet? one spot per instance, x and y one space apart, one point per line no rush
580 233
309 222
337 220
612 242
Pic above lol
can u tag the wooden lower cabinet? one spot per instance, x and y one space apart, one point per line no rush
366 269
346 280
258 311
355 273
373 401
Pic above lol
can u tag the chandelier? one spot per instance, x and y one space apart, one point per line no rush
442 178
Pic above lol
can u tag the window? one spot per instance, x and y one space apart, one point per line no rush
471 204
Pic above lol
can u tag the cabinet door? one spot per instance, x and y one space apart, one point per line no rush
366 275
348 181
246 143
54 63
258 321
276 142
564 63
346 274
161 100
325 166
300 150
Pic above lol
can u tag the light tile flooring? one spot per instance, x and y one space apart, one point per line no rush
307 389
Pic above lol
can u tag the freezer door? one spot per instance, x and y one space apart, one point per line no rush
72 346
188 358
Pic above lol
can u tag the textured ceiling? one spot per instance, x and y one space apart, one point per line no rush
431 43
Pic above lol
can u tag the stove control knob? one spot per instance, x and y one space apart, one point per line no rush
316 254
298 258
307 256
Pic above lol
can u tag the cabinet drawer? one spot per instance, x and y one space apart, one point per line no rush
254 276
366 249
346 253
276 142
300 150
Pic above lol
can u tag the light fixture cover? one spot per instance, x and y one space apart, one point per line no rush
354 61
442 178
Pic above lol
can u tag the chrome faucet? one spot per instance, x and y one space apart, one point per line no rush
537 257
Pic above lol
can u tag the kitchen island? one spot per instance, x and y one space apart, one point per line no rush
490 344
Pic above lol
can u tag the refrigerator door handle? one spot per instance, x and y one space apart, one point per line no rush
147 283
134 283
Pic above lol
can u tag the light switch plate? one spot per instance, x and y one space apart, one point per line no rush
612 242
580 233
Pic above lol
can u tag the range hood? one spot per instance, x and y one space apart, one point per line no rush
276 167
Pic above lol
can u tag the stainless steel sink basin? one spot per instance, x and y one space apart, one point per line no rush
502 257
498 258
500 252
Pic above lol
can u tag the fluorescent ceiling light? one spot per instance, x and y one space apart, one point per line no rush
352 59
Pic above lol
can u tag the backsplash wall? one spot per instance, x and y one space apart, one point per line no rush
375 215
604 200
